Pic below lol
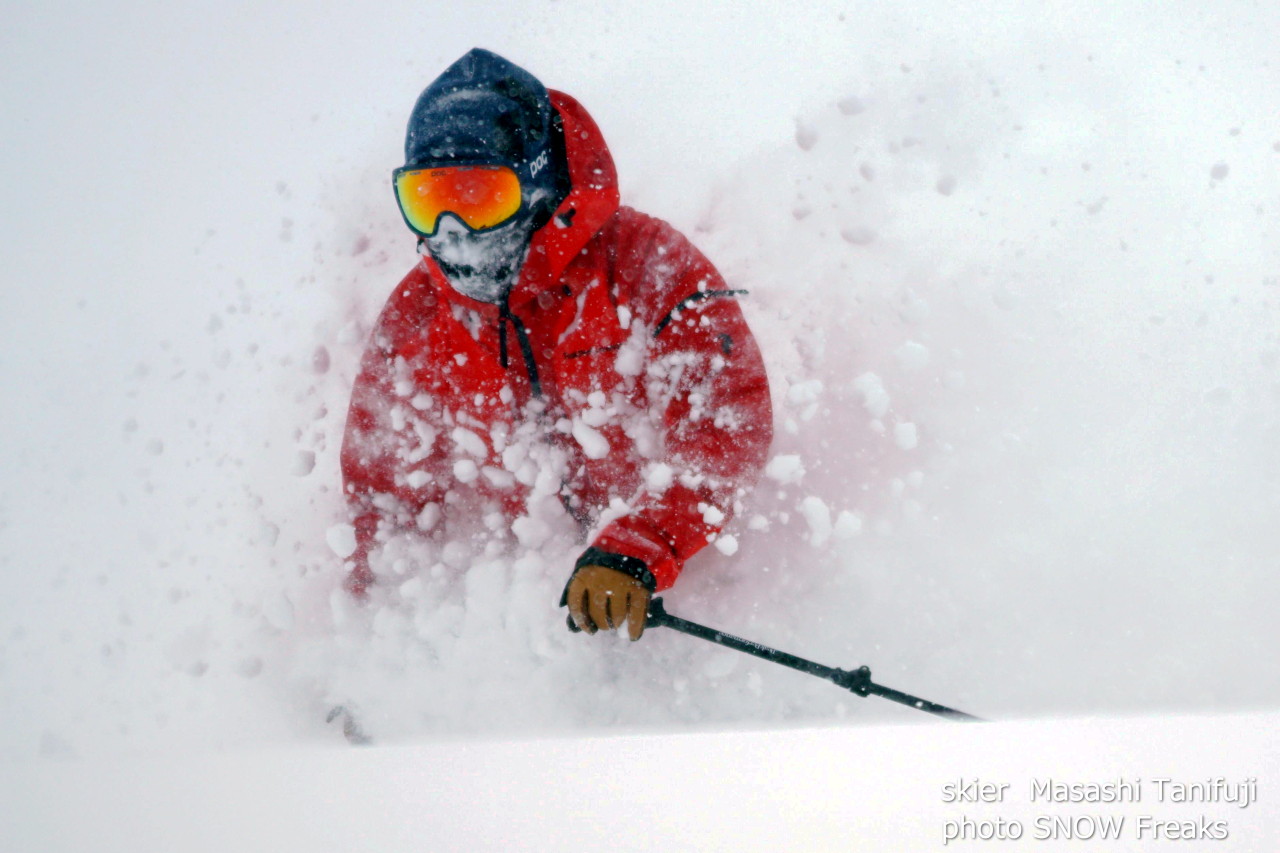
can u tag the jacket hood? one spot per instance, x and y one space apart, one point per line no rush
592 200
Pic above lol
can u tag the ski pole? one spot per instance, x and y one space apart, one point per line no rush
854 680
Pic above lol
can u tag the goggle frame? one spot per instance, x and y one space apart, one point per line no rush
457 164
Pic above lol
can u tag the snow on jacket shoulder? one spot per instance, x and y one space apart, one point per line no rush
621 347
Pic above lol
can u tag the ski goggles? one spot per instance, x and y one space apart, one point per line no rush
482 197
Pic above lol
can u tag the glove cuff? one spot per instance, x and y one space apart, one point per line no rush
632 567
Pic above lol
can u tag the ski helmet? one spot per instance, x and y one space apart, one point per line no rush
485 109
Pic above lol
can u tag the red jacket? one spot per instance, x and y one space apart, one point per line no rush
616 320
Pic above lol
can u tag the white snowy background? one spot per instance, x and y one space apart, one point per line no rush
1015 268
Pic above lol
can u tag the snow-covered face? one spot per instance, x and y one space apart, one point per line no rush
482 266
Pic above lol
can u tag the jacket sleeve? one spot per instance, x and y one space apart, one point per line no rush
389 449
706 385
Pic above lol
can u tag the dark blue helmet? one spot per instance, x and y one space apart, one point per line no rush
485 109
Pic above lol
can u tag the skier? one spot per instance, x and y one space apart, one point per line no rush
549 341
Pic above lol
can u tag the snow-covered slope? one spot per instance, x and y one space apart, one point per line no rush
1015 271
822 789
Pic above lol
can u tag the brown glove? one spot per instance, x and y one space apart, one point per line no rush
600 597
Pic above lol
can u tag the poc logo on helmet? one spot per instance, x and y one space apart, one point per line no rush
539 163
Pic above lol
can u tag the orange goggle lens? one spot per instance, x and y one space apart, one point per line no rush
481 196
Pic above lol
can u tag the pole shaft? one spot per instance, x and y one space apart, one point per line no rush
857 681
918 703
746 646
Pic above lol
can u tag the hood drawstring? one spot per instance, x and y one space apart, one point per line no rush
526 349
